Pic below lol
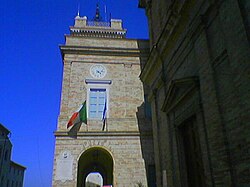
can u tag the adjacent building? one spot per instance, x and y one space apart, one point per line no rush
11 173
198 82
102 67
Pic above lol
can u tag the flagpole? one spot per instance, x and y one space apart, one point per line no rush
104 115
103 126
106 124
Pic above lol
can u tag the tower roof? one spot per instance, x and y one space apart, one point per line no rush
97 27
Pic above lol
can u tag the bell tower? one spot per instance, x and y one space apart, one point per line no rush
102 67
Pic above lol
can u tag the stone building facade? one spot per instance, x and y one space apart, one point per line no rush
11 173
101 65
198 76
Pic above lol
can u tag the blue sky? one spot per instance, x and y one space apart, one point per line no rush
31 72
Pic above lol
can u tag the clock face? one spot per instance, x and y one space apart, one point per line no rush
98 71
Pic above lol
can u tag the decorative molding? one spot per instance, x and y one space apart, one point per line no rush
178 90
97 33
104 133
97 81
86 28
105 51
153 64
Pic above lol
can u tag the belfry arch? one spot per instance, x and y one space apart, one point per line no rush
92 160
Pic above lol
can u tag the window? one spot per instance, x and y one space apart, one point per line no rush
97 102
97 98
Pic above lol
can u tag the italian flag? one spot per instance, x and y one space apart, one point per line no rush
79 116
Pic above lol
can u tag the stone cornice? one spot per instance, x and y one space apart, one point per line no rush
167 32
103 133
105 51
152 65
172 33
144 4
98 32
14 164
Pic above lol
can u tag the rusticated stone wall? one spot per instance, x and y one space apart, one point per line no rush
201 51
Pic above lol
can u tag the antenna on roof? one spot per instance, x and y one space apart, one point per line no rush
78 9
105 10
107 14
78 12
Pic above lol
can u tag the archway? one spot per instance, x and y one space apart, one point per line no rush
95 160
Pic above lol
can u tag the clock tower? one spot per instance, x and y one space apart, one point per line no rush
102 67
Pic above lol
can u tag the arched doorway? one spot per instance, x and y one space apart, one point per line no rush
95 160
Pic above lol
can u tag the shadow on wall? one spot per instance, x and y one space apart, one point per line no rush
146 140
145 122
144 50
